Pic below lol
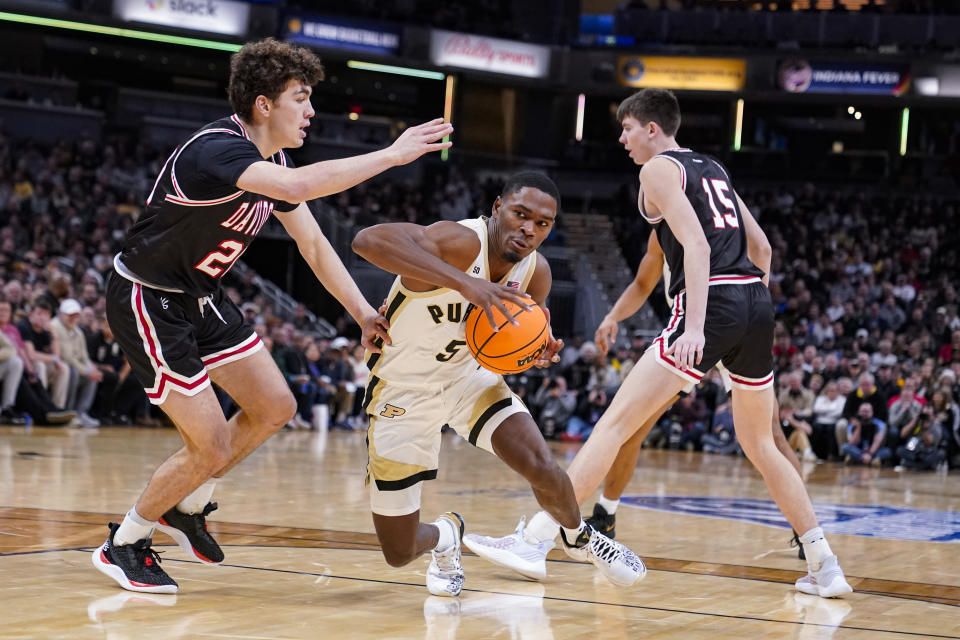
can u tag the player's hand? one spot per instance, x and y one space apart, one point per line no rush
486 296
606 335
687 350
421 139
549 355
374 325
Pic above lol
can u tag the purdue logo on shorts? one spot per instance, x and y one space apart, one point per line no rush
390 411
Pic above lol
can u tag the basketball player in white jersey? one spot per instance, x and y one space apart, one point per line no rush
721 311
425 378
652 266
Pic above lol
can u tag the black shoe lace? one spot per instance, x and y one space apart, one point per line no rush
210 508
144 550
605 549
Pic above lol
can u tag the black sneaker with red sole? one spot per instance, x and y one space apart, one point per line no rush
190 532
135 567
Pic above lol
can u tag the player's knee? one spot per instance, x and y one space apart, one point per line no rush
212 450
280 410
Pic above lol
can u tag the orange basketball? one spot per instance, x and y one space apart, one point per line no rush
511 349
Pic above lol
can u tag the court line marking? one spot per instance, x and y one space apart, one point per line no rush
525 595
373 546
570 600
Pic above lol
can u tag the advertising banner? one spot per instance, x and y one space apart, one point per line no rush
797 75
216 16
341 33
452 49
697 74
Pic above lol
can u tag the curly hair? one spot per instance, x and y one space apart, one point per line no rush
652 105
264 68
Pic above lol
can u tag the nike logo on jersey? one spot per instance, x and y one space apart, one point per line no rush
249 219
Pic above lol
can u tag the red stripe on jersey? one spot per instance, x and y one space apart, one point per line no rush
243 129
164 379
202 203
673 363
752 383
208 360
141 312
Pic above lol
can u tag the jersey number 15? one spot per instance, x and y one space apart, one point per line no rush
729 217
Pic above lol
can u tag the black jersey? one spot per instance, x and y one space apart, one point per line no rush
197 222
707 185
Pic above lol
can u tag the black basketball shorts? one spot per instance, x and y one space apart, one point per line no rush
738 329
172 339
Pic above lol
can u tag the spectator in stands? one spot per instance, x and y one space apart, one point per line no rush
120 397
865 438
827 412
722 436
84 374
947 415
554 404
684 423
923 437
292 363
11 373
866 391
579 373
904 408
341 375
589 409
43 351
13 293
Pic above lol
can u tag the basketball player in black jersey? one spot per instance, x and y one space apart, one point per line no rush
721 311
175 324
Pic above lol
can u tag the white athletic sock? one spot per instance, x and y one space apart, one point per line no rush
816 548
542 527
447 534
609 505
196 501
571 534
134 527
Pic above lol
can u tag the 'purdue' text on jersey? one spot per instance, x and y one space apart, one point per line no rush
707 185
197 223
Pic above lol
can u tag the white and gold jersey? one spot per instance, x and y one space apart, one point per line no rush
427 327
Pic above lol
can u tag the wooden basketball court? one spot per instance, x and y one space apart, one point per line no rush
302 560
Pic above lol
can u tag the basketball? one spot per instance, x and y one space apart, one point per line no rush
513 348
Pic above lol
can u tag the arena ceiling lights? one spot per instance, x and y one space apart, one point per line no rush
400 71
117 31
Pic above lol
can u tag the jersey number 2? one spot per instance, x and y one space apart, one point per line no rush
231 251
721 188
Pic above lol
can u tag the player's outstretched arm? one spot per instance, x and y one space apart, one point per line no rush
435 256
333 275
662 186
758 247
333 176
649 272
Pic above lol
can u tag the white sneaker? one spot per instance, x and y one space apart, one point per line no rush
515 551
615 561
827 582
445 573
87 421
